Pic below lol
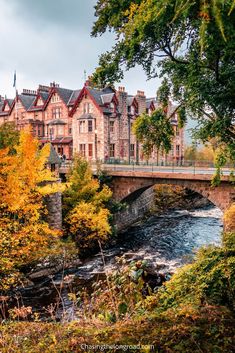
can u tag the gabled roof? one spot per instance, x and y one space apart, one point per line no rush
26 100
131 100
64 94
44 95
74 96
107 98
99 97
10 103
151 103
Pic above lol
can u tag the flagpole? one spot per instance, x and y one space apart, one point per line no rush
16 100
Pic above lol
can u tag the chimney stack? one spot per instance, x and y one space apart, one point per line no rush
121 89
140 93
141 99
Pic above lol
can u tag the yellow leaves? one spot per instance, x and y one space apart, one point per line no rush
25 237
86 219
229 219
51 188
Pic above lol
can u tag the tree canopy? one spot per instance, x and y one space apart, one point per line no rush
191 44
25 235
85 212
154 131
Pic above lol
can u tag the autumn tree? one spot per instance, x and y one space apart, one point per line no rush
85 212
154 131
9 136
189 43
25 236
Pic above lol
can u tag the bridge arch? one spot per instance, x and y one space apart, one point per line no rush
129 187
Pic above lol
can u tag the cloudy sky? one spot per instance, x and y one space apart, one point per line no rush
49 40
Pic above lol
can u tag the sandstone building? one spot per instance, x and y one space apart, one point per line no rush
95 123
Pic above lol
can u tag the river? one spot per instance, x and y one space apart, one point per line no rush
166 242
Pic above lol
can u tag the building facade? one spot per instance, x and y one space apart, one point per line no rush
92 122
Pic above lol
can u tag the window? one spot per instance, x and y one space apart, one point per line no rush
112 150
55 98
177 150
131 127
90 150
177 131
51 132
112 107
60 150
132 110
22 115
82 126
70 129
90 125
87 108
82 149
132 150
111 126
39 131
56 113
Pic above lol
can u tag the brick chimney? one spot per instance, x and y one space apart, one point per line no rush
141 99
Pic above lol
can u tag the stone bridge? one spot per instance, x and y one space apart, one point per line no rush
129 185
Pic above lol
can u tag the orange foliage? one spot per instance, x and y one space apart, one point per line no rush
25 236
229 219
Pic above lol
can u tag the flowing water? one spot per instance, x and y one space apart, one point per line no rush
166 242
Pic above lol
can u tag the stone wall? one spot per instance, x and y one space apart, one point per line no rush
135 211
53 204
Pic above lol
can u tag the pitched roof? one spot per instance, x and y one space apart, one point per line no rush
9 101
44 95
74 96
107 98
27 100
96 94
130 100
56 122
151 101
53 156
65 94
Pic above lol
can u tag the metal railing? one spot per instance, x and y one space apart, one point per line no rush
186 167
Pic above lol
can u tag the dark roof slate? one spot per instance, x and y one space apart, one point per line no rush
27 100
53 156
56 122
65 94
74 96
85 116
44 95
107 98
